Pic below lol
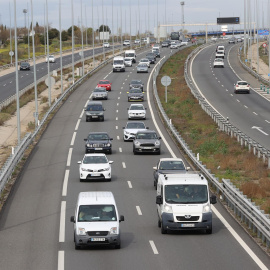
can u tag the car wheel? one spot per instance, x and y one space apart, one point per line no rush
102 119
158 153
159 223
134 152
77 247
109 179
163 231
208 231
118 246
81 180
110 152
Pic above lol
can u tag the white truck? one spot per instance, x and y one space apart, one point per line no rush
183 202
131 54
118 64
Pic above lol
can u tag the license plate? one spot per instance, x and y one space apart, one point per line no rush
188 225
94 116
97 239
147 148
95 174
98 148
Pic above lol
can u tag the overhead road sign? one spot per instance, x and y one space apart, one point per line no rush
263 32
228 20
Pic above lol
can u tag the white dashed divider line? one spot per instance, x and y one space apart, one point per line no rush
118 138
255 113
153 246
117 104
117 111
129 184
65 183
267 121
73 138
120 93
116 127
77 125
139 210
232 95
69 156
124 165
118 97
246 106
116 118
122 87
238 100
62 222
61 260
120 149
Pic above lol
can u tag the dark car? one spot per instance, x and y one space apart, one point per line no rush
136 84
25 66
169 166
135 94
94 111
98 142
165 43
156 52
151 57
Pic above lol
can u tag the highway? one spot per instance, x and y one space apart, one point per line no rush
249 113
35 228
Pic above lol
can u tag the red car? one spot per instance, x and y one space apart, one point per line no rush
105 83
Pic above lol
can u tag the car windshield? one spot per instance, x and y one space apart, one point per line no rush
242 83
100 90
95 107
132 91
51 56
24 64
95 160
135 126
136 82
142 65
185 194
171 165
98 137
144 60
96 213
136 107
127 59
104 82
146 136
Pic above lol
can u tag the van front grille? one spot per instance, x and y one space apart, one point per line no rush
183 218
97 233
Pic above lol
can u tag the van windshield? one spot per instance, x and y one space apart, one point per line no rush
94 107
186 194
118 62
96 213
129 54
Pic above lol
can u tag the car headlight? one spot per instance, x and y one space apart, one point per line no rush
81 231
84 169
168 208
126 132
157 142
108 144
206 208
105 169
113 230
137 142
88 145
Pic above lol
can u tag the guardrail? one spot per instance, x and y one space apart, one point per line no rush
248 213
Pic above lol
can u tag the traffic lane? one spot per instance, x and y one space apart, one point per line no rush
226 103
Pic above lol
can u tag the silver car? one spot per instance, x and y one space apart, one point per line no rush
146 142
131 129
99 93
142 68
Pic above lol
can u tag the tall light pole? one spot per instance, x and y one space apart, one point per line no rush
139 23
93 35
60 37
183 18
121 25
48 51
82 56
112 29
166 17
28 33
130 23
86 39
72 56
17 78
10 34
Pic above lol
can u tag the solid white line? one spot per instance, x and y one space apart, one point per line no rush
129 184
255 113
238 100
73 138
154 118
239 239
139 210
153 246
267 121
120 149
245 106
65 184
118 138
77 125
124 165
69 156
62 222
81 114
61 260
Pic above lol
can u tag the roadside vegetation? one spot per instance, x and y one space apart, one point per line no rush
218 151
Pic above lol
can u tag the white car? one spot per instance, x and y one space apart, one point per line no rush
241 86
132 128
126 43
95 167
128 62
106 45
220 54
173 45
51 59
218 62
145 61
214 38
137 41
136 111
184 43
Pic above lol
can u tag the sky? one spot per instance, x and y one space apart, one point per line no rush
160 12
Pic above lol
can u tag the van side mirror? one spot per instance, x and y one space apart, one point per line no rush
72 219
188 168
159 199
121 218
213 199
85 140
155 168
104 109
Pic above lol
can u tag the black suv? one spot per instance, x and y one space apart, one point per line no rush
98 142
94 111
25 66
151 57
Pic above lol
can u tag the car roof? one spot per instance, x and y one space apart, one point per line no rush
132 105
94 154
171 159
95 132
94 102
148 131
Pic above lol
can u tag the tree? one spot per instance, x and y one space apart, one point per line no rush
70 30
106 28
53 33
64 35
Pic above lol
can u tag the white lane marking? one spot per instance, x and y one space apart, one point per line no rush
129 184
227 90
118 138
5 84
77 125
61 260
118 97
120 93
116 118
232 95
238 100
73 138
81 114
267 121
124 165
65 184
245 106
69 156
153 246
255 113
260 129
153 115
125 79
86 103
105 76
122 87
139 210
239 239
62 222
120 149
117 104
116 127
11 82
117 111
222 85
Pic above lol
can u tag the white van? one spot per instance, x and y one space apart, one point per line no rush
96 220
183 203
118 64
131 54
